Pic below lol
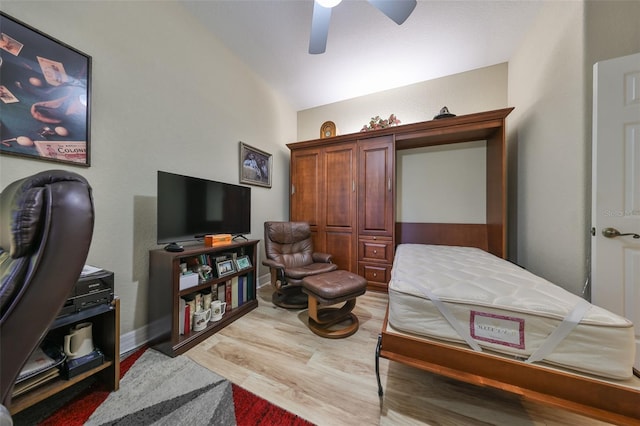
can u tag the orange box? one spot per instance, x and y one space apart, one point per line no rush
217 240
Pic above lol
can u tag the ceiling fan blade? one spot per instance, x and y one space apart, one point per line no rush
319 28
397 10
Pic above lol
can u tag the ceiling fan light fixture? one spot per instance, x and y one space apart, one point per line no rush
396 10
328 3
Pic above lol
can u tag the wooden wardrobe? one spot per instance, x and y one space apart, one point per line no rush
344 186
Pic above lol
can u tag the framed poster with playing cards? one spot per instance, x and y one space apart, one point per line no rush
45 96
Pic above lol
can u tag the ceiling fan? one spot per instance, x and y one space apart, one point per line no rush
397 10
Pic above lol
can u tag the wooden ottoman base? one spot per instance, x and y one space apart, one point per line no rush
322 321
329 289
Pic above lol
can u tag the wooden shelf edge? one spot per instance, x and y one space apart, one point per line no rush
51 388
194 338
195 249
214 281
405 131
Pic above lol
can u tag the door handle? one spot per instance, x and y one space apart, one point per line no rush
613 232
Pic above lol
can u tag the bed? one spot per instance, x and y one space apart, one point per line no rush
467 314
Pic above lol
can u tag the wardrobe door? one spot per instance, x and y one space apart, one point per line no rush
306 174
376 186
340 205
324 193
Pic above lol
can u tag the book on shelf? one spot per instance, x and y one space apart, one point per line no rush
35 381
250 288
187 319
245 287
241 290
234 292
38 361
181 310
221 292
227 293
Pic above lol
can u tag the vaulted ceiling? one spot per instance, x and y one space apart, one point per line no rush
366 51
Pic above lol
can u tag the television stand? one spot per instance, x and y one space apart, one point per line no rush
106 336
237 288
239 237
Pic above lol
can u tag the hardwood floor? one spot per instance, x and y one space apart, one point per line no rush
273 354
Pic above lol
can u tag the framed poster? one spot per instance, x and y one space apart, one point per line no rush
45 96
255 166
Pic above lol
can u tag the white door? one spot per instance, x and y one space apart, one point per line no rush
615 259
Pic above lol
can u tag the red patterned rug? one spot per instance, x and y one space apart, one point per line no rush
249 408
253 410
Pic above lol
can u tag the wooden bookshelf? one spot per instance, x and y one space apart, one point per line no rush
165 293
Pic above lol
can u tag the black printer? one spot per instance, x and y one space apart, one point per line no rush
92 289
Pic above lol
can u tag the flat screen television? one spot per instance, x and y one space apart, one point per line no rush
190 208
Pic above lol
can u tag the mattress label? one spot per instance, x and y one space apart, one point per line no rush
499 329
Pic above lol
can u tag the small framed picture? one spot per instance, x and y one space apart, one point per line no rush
243 262
255 166
225 267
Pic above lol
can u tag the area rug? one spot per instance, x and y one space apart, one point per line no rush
156 389
251 410
163 390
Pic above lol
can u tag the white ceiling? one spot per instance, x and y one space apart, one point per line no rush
366 51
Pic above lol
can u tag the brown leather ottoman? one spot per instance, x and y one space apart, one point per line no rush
328 289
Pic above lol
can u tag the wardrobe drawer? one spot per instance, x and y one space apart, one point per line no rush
375 273
375 250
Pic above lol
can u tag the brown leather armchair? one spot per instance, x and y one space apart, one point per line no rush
46 226
290 257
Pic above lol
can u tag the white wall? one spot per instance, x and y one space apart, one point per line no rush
442 184
550 84
438 172
166 95
465 93
613 30
548 146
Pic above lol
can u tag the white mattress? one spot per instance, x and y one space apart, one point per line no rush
504 308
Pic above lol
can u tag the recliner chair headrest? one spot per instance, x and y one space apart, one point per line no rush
287 232
21 208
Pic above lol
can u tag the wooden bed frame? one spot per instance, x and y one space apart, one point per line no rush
615 402
608 400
